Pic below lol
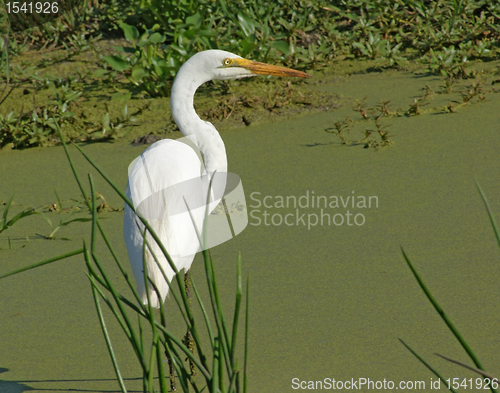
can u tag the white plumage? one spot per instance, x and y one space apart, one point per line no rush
169 174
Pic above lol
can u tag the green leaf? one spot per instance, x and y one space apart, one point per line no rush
493 222
177 48
282 46
83 219
194 20
442 314
206 33
141 43
100 72
121 96
58 258
138 73
117 63
131 32
6 210
24 213
246 24
426 364
173 63
124 49
247 47
157 38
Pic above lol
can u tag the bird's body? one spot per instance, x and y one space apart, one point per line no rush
173 164
168 183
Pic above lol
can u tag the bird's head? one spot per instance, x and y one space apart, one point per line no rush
219 64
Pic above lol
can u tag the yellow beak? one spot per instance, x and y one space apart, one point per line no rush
266 69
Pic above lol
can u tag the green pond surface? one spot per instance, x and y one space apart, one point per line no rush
328 300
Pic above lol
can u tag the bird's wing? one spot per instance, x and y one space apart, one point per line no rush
161 182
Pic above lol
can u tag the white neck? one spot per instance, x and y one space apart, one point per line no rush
209 141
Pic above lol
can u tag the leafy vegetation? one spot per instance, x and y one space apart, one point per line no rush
155 38
309 34
487 381
159 36
7 224
215 358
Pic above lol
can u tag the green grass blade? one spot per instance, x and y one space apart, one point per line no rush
117 261
108 341
445 318
216 366
156 340
105 330
490 213
247 314
129 332
151 313
94 214
161 372
135 342
6 212
123 299
236 310
18 216
185 350
4 224
216 307
223 330
58 200
141 333
436 373
183 372
110 182
150 230
184 375
81 219
75 173
205 314
152 359
92 275
164 274
38 264
120 320
168 350
187 312
476 370
187 375
72 211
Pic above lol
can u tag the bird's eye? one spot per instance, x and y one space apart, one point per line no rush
227 62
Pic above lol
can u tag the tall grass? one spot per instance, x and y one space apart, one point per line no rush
488 381
216 359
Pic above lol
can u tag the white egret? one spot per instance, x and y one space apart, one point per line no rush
153 179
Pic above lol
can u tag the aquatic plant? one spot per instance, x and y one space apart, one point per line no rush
216 359
312 33
342 128
488 381
67 220
5 223
38 127
162 35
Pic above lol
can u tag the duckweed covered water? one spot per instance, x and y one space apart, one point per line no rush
328 300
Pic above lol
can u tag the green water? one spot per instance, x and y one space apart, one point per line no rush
329 301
